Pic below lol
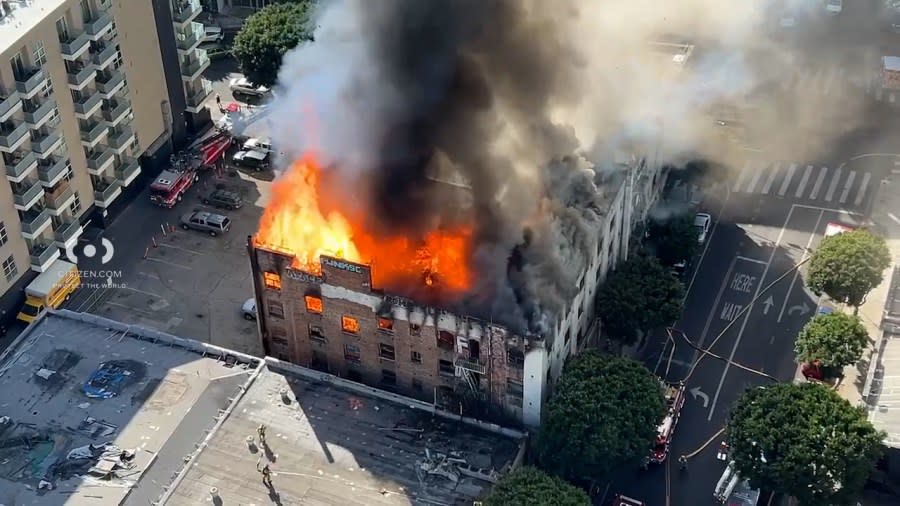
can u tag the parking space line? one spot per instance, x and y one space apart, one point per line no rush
179 248
130 308
835 179
787 180
818 185
715 307
862 189
847 185
812 237
168 263
803 181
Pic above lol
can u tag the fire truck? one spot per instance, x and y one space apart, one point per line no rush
621 500
674 395
732 490
171 185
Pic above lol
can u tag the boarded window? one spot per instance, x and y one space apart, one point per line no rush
388 377
514 388
415 357
386 351
385 324
276 310
349 324
515 358
316 333
272 280
280 341
313 304
446 367
352 354
446 340
415 330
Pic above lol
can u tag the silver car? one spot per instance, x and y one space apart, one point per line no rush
204 221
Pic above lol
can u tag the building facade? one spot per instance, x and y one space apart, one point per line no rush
85 114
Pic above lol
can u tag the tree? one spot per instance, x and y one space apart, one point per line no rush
603 416
834 339
639 296
803 440
847 266
674 240
267 35
528 486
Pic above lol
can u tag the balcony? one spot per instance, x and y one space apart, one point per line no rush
114 111
74 46
109 82
34 222
100 24
11 137
197 98
61 199
129 169
80 74
10 104
92 132
100 161
106 193
20 166
189 40
120 138
30 81
104 55
42 256
45 144
51 170
476 366
66 233
37 116
185 11
87 105
192 68
27 194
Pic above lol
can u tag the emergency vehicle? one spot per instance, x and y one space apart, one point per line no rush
674 395
170 186
732 490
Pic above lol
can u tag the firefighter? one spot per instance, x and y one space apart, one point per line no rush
261 432
683 461
267 475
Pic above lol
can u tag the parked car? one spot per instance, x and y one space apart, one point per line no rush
225 199
242 86
248 309
256 160
212 33
212 223
702 222
261 145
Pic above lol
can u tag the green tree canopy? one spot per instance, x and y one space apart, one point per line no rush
603 415
803 440
847 266
674 239
528 486
835 339
267 35
638 296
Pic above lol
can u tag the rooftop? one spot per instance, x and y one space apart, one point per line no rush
22 17
333 442
73 379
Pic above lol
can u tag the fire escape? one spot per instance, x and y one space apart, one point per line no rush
471 368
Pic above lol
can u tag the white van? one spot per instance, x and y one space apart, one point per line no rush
213 33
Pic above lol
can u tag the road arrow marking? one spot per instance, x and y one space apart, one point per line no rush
802 309
697 393
768 303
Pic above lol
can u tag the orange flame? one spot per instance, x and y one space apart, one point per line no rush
294 222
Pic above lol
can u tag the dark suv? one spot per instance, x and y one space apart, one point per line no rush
225 199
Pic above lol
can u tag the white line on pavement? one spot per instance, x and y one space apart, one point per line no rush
715 307
835 179
818 185
757 175
826 209
787 180
803 181
168 263
847 185
862 189
748 167
751 260
771 179
812 237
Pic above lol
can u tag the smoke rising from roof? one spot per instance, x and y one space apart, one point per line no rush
519 98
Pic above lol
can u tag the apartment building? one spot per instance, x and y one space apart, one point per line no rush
86 108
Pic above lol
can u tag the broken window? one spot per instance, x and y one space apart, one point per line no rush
272 280
385 324
386 351
415 330
446 367
313 304
514 388
388 377
515 358
349 324
352 353
276 310
316 333
415 357
446 341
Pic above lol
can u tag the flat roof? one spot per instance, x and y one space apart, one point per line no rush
22 18
333 442
161 393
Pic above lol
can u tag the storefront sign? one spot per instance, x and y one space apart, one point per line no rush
305 277
342 265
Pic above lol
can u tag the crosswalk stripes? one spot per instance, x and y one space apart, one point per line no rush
842 185
825 80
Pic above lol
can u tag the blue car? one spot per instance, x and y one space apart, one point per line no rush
107 381
825 310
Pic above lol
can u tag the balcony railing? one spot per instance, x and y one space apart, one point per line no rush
41 112
198 97
115 110
129 169
471 365
107 82
66 230
29 81
26 193
92 132
186 10
74 45
105 56
45 143
50 170
99 24
88 105
106 192
10 138
99 161
21 165
33 221
193 67
80 74
43 254
120 138
188 40
60 197
8 104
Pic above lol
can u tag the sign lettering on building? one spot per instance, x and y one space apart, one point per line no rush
342 265
305 277
398 301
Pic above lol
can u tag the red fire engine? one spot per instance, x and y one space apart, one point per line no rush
674 394
171 185
214 148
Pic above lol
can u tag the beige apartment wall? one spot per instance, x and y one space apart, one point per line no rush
142 62
15 244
